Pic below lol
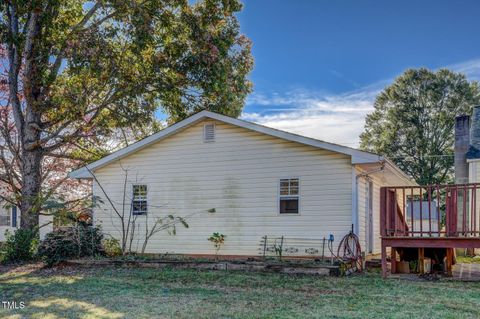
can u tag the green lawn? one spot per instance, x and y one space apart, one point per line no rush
468 260
147 293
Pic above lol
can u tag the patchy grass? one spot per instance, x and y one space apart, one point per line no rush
468 260
145 293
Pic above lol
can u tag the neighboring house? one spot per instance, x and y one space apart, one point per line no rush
260 181
467 164
10 221
423 216
467 148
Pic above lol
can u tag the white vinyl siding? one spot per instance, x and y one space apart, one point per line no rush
43 220
139 199
362 211
238 176
289 197
6 217
474 177
377 183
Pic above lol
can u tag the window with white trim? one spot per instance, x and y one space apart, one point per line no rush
139 200
6 217
289 196
209 132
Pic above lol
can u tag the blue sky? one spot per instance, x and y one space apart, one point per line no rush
319 64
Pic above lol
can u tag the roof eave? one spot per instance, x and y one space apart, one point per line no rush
80 173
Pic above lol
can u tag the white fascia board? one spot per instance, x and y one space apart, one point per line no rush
80 173
358 157
364 160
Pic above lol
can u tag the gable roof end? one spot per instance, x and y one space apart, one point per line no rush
358 157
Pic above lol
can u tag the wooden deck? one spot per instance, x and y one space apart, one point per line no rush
441 217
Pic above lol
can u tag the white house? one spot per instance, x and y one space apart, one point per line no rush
467 167
259 181
10 221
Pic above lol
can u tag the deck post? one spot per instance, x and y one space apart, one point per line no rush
384 260
449 261
421 260
383 211
393 260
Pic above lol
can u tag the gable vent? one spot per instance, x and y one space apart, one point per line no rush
209 132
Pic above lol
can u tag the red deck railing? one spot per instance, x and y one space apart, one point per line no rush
430 211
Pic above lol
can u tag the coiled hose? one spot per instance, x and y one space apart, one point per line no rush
349 250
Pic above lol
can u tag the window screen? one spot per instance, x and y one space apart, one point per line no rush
139 202
289 196
5 217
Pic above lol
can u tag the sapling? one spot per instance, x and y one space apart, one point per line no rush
218 241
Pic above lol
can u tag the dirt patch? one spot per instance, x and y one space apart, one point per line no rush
20 268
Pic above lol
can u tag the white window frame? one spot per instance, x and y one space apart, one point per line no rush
280 196
7 213
214 132
145 199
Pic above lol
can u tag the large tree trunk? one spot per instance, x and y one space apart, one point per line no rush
32 156
29 205
32 152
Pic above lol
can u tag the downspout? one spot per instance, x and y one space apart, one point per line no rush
354 200
355 178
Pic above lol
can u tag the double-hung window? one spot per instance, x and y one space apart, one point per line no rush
8 217
289 196
139 200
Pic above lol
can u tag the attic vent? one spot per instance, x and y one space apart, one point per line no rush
209 133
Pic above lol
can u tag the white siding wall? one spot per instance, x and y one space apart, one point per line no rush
362 216
3 229
238 175
474 177
377 243
361 208
44 220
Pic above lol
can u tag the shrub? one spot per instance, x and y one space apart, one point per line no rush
20 245
218 240
70 242
112 248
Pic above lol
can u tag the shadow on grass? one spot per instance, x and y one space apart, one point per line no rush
87 293
48 293
110 292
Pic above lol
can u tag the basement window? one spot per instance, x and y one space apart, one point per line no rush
209 132
139 201
289 196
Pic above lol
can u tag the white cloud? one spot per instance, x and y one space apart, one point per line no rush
333 118
470 68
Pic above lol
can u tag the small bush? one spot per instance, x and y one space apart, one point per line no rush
20 245
112 248
70 242
218 240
